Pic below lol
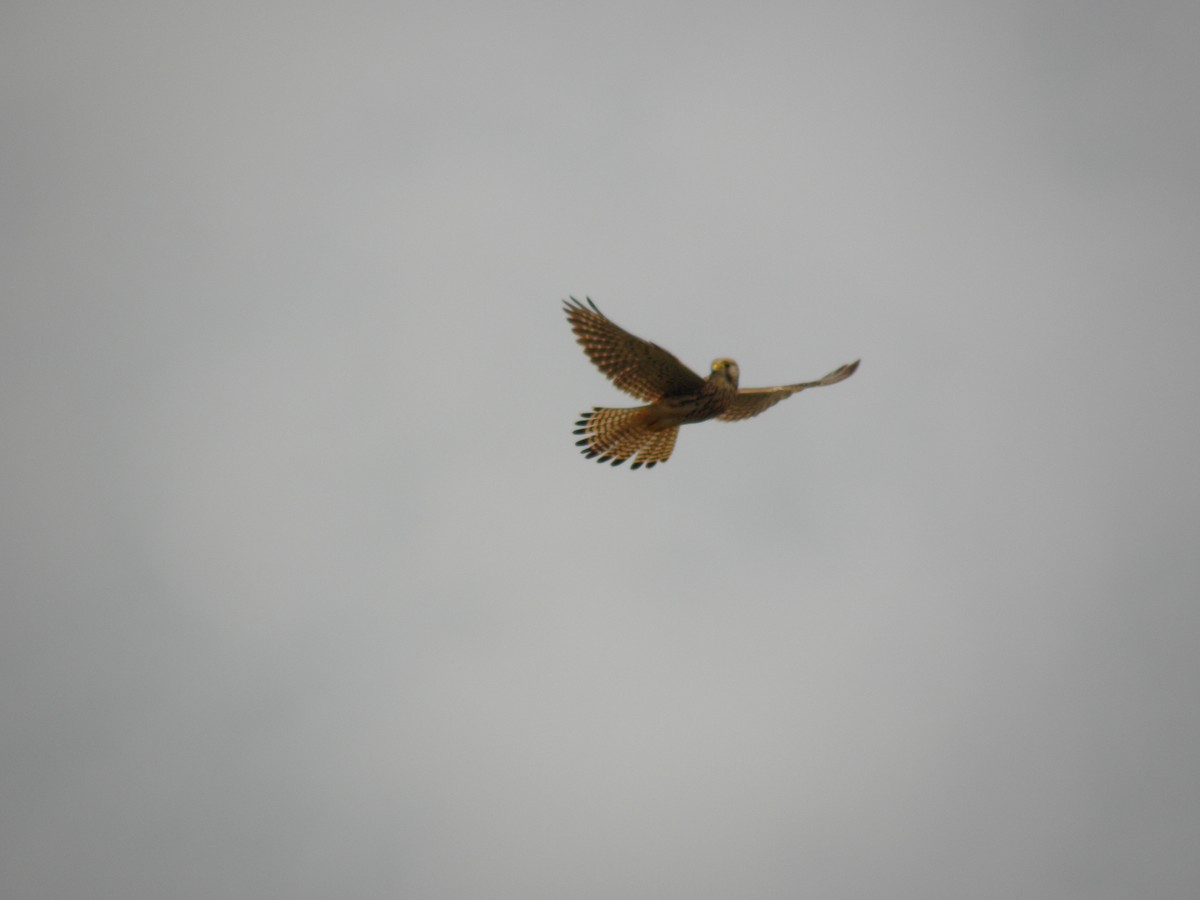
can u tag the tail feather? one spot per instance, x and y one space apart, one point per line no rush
619 435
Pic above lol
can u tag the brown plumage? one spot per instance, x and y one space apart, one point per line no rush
676 395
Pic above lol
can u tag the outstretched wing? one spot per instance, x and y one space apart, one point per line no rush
638 367
751 401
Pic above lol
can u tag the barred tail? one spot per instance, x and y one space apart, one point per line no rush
623 434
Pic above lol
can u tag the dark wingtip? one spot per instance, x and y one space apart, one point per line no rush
636 465
651 465
582 443
573 304
617 462
590 453
579 431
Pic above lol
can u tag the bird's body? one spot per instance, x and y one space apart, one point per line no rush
714 397
677 395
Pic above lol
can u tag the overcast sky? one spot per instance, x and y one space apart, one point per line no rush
307 592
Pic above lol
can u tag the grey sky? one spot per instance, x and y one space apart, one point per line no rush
308 593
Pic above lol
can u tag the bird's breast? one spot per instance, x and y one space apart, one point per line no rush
707 403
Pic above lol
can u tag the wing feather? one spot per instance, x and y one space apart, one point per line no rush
751 401
638 367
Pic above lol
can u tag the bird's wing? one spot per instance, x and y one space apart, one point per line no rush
751 401
638 367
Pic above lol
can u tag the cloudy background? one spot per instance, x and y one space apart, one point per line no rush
308 594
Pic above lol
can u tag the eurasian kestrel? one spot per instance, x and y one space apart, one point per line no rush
677 395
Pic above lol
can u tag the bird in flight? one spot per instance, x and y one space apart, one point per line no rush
675 394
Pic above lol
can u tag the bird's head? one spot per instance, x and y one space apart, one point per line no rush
725 370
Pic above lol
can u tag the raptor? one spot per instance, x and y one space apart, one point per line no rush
674 394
